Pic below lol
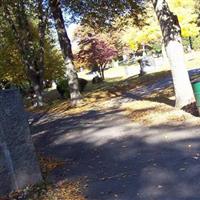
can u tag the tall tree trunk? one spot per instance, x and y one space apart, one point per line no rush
43 18
24 40
65 45
171 32
103 70
34 59
190 42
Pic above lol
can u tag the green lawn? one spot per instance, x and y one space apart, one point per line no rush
192 61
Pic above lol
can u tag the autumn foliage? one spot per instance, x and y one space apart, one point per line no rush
95 53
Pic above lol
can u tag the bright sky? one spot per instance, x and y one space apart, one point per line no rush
70 30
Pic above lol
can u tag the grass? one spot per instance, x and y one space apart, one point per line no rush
95 94
192 61
157 105
152 114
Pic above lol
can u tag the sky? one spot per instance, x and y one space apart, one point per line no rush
70 30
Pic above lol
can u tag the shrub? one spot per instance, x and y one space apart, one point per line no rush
63 87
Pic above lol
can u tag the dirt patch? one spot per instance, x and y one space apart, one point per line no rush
192 109
43 191
65 190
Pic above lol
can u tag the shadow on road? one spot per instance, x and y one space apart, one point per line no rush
122 160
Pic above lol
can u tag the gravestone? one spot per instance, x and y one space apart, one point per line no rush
147 64
18 163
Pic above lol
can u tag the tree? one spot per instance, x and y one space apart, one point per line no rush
12 68
32 56
188 23
105 12
95 52
42 17
149 34
65 45
112 37
197 11
171 32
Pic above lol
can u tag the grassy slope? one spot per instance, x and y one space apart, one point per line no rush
157 105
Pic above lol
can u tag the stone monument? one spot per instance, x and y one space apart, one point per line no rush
18 163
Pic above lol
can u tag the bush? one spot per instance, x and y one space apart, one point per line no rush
82 84
23 87
63 87
97 79
195 43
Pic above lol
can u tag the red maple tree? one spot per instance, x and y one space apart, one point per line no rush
96 53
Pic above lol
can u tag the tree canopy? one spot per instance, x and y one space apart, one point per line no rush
12 67
187 16
95 53
102 14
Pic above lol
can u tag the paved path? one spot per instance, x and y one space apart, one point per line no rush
122 160
160 84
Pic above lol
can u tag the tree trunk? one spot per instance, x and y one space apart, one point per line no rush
101 70
24 40
65 45
190 43
43 18
171 32
34 59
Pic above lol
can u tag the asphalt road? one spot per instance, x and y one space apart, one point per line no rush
119 159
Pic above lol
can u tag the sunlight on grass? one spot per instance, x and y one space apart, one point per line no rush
192 60
151 113
156 108
93 100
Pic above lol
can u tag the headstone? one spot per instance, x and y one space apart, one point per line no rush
147 64
18 163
